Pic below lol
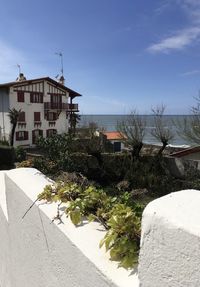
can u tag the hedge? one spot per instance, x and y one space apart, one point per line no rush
7 157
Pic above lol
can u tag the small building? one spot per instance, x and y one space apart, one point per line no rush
117 139
45 107
192 153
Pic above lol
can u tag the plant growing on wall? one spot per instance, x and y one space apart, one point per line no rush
121 219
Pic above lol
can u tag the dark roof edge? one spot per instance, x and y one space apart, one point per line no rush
72 93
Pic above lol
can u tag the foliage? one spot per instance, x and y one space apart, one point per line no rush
56 149
4 143
132 131
74 119
121 217
160 132
20 154
7 157
13 116
25 163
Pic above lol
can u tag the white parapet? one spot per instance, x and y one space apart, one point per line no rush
36 252
170 244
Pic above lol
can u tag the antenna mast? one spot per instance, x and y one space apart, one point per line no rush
61 60
19 67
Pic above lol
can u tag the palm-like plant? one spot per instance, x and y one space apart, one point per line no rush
73 121
13 115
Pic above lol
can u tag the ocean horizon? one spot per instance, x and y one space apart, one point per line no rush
109 123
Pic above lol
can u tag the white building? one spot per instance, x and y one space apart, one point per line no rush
45 106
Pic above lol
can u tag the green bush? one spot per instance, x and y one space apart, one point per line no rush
7 157
20 154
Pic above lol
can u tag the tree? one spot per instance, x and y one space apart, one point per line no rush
73 121
132 130
13 115
189 127
160 132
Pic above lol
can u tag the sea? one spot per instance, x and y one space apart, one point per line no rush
109 123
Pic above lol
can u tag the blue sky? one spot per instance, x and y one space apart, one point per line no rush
120 55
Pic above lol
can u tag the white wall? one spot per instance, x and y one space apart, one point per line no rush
35 252
29 108
170 245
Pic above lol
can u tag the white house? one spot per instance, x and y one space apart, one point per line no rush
45 106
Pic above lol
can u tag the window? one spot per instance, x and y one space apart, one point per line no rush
52 116
20 96
51 132
21 117
36 134
36 116
21 136
36 97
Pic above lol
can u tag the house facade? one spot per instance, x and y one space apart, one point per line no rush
45 107
116 139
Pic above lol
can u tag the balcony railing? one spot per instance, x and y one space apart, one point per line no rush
61 106
73 107
55 106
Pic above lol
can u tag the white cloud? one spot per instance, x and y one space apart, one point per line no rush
190 73
176 42
179 40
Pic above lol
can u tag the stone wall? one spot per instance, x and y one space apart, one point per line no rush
36 252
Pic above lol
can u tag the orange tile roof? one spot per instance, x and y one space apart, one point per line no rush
114 135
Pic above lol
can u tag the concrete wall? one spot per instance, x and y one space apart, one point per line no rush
35 252
170 244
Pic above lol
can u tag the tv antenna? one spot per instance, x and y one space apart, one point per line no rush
19 68
61 60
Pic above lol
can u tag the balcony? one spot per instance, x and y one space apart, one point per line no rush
55 106
61 106
73 108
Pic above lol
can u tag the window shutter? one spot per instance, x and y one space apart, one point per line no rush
54 116
21 117
20 96
25 135
17 136
41 133
31 97
37 116
47 133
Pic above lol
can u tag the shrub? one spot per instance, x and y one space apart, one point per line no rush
25 163
7 157
20 154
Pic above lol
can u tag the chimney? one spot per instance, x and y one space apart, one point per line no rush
21 77
62 80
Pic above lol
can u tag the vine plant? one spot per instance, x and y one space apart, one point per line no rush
120 216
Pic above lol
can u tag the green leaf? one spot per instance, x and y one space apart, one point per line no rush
75 216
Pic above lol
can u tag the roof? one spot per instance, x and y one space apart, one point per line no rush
71 92
185 152
114 135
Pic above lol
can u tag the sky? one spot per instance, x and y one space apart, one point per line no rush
121 55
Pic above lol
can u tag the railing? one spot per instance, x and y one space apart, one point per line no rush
55 106
73 107
61 106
